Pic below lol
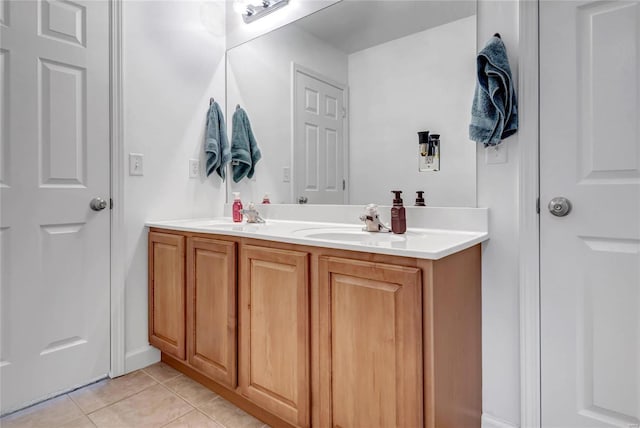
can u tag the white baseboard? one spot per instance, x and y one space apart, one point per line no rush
141 358
489 421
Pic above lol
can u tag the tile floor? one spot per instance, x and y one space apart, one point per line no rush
157 396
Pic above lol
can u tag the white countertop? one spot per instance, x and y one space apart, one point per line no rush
424 243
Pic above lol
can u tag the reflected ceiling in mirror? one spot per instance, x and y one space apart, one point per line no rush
336 100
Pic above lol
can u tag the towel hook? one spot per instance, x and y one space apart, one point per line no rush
211 100
497 35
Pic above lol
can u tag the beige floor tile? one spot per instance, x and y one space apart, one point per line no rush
153 407
81 422
161 372
220 410
51 413
108 391
194 419
194 393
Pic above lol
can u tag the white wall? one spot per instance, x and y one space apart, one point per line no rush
172 66
420 82
259 76
498 189
173 63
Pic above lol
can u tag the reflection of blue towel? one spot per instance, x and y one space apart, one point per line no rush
216 146
494 115
244 148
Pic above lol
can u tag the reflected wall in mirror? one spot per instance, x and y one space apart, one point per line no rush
336 100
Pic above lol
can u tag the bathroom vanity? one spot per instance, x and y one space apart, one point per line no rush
311 324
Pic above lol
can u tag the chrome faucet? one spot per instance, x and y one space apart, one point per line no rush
372 221
253 216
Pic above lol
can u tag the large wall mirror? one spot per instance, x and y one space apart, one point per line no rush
336 100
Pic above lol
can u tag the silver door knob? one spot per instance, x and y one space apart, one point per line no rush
559 206
98 204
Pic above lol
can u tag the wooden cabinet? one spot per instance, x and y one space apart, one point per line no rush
308 336
370 344
211 308
274 331
167 293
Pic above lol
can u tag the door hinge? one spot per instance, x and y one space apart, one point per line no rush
110 203
344 113
344 184
538 205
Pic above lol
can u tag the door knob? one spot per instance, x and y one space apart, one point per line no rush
559 206
98 204
302 200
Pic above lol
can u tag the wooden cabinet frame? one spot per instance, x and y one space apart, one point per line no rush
277 275
211 300
357 287
446 296
167 293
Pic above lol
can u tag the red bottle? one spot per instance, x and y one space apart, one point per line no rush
398 216
237 207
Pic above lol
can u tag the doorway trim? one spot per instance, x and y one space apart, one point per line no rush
117 280
528 213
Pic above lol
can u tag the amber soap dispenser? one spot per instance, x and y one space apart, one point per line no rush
398 216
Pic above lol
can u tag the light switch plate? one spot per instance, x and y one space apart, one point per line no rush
194 168
496 154
136 164
286 174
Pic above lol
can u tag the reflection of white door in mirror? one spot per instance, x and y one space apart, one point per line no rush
319 141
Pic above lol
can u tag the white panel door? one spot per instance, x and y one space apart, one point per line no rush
54 250
318 139
590 259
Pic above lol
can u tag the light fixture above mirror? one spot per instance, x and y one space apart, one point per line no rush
251 12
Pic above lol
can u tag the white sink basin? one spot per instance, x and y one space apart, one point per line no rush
347 234
239 227
212 223
223 224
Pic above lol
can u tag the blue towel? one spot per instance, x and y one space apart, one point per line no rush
494 114
244 148
216 146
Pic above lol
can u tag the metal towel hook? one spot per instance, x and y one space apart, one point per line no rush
211 100
497 35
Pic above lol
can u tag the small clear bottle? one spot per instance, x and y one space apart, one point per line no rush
434 140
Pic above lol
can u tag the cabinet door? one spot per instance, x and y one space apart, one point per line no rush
211 308
370 344
274 331
167 293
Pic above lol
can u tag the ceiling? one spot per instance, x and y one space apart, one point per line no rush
354 25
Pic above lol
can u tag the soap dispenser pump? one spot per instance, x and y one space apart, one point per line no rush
420 199
398 215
